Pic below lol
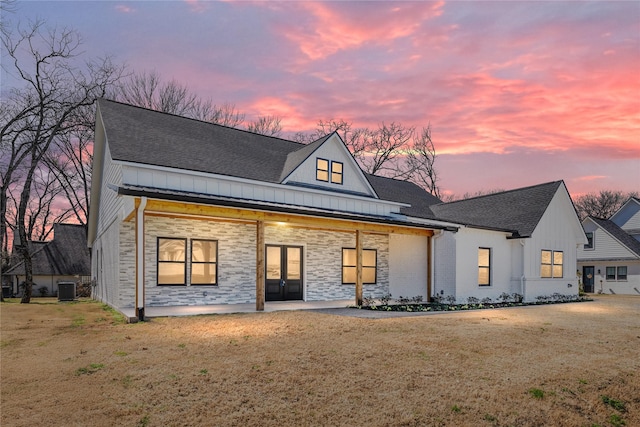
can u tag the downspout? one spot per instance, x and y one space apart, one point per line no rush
140 259
522 277
434 265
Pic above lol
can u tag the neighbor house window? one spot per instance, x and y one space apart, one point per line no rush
172 261
369 264
204 262
551 264
484 266
322 170
336 172
589 244
617 273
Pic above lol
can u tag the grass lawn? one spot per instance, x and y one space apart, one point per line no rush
77 364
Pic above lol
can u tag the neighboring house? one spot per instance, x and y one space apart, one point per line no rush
610 261
185 212
63 259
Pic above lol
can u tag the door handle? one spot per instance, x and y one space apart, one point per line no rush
282 283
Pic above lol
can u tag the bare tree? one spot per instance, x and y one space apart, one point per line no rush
394 150
602 204
147 90
46 107
266 125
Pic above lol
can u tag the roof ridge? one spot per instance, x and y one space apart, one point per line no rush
199 121
502 192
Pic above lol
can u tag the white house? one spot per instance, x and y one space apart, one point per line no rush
185 212
610 261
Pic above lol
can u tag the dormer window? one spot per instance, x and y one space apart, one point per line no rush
322 170
329 171
336 172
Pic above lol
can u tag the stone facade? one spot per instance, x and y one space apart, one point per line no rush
322 261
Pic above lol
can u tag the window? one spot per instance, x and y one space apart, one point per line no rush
589 244
551 263
322 170
369 264
617 273
172 261
484 266
336 172
622 273
204 262
323 167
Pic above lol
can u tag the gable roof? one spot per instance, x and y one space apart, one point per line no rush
517 210
617 233
65 255
139 135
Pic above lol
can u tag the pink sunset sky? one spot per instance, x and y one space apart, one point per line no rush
517 93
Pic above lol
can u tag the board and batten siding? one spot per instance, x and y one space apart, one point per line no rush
559 230
332 150
254 191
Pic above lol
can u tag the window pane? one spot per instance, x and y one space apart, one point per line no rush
336 167
368 275
171 249
336 178
322 164
322 176
622 273
273 262
483 276
203 251
557 258
349 257
293 263
348 275
203 274
557 271
545 270
171 273
546 257
589 244
368 258
611 273
483 257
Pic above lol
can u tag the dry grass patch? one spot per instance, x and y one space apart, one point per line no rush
568 364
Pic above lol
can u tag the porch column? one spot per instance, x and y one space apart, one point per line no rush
140 259
260 266
358 267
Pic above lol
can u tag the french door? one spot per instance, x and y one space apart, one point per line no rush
283 273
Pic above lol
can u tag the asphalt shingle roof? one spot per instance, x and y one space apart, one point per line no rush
67 254
517 210
150 137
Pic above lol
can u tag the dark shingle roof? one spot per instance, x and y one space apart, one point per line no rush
405 192
150 137
66 254
517 210
618 233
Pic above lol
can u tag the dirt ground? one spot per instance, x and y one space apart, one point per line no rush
75 364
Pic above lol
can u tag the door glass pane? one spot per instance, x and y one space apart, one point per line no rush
273 262
293 263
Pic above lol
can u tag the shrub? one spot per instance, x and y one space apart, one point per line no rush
473 300
43 290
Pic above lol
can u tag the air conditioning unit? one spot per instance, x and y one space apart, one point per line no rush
66 291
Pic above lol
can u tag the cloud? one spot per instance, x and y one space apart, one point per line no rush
326 28
124 9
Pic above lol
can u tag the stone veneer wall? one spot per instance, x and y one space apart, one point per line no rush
322 266
236 262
